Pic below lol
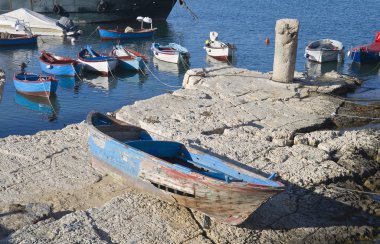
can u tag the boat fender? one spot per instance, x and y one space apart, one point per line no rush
102 6
49 66
58 9
307 55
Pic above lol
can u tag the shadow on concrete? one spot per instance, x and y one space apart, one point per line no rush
297 207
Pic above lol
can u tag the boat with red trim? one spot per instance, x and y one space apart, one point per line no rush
58 65
224 190
35 84
369 53
218 50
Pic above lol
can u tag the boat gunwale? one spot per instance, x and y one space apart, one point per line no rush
240 184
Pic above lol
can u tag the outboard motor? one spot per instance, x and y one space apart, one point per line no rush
68 26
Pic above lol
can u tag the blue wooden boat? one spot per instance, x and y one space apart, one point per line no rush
57 65
128 59
118 34
7 39
369 53
35 85
224 190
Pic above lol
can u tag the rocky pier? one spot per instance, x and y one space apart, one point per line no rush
50 193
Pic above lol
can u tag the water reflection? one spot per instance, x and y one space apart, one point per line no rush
48 107
1 90
232 61
364 69
315 69
170 68
101 82
67 82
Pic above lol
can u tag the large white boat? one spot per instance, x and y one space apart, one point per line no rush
95 10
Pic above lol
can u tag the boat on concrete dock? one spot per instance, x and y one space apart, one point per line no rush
25 21
95 10
221 189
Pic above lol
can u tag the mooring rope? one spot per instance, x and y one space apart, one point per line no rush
109 68
48 98
158 79
92 33
76 73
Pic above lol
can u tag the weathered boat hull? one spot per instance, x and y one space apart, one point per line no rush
35 85
118 34
92 11
229 202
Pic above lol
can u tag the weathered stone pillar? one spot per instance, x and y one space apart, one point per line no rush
285 51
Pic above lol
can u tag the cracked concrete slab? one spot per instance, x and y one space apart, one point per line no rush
268 126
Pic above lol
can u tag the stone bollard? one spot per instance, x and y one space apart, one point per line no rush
285 51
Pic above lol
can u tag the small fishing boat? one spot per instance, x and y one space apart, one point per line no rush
219 50
172 53
34 84
7 39
128 32
224 190
369 53
324 50
57 65
128 59
96 62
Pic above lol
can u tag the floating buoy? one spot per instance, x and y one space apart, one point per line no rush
267 41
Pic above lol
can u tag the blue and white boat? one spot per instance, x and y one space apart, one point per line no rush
7 39
35 85
128 59
57 65
226 191
96 62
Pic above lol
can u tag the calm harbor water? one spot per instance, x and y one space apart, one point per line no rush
245 23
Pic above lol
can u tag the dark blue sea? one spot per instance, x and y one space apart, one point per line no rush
245 23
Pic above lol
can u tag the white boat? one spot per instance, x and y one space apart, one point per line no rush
172 53
96 62
23 21
217 49
324 50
